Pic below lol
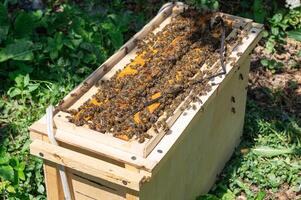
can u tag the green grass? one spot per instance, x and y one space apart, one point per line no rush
44 55
267 157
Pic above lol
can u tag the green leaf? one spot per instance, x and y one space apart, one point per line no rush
4 22
3 15
277 18
274 180
12 92
20 81
21 175
21 166
53 54
4 160
108 26
11 189
264 62
260 195
271 152
4 156
26 80
117 39
6 172
14 162
20 50
208 197
215 5
265 33
299 54
259 11
275 30
24 24
33 87
228 196
295 34
41 189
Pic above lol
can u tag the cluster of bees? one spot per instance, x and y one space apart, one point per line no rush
147 91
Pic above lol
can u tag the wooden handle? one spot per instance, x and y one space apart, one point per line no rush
87 164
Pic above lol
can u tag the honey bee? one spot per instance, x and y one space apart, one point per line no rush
174 69
73 94
141 139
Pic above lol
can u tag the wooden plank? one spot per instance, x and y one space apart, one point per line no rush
86 164
204 146
110 152
95 148
130 195
52 178
61 123
52 181
85 189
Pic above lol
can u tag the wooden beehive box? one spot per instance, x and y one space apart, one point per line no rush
180 164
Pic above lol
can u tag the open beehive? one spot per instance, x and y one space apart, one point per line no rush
171 93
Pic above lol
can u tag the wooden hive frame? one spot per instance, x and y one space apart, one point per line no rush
103 167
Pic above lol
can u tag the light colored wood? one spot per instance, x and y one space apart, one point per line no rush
97 148
110 152
131 196
86 164
52 178
62 123
52 181
85 189
189 168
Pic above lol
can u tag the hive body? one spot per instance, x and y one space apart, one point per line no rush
179 164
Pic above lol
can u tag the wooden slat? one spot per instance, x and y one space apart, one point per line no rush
52 181
52 178
85 189
94 147
61 123
131 196
86 164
